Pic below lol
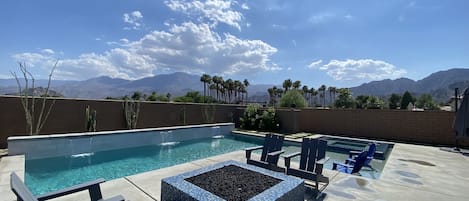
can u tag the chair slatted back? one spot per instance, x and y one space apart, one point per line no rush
359 162
311 150
308 154
272 143
21 191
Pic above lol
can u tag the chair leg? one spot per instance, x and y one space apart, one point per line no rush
95 193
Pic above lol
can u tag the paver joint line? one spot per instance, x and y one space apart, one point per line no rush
140 189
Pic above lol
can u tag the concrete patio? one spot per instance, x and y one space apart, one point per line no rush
412 172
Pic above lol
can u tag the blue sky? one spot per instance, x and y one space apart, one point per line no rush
338 43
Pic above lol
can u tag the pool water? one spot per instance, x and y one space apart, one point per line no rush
49 174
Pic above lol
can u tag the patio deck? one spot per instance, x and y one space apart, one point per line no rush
412 172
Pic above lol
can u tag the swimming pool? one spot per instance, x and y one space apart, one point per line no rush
48 174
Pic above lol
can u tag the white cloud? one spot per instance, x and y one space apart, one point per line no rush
315 64
188 47
215 11
245 6
196 48
47 51
363 69
134 19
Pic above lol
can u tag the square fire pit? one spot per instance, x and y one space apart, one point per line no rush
232 180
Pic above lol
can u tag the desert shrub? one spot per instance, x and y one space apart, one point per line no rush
250 119
293 98
256 119
269 120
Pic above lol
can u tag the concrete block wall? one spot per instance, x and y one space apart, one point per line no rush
429 127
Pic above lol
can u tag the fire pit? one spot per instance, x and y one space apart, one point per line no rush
232 180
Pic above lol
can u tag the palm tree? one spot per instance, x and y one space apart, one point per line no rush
287 84
313 92
322 89
296 85
331 90
229 86
305 92
242 91
246 84
206 79
279 92
213 87
271 92
236 87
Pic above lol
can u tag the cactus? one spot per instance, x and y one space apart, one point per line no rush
90 119
131 112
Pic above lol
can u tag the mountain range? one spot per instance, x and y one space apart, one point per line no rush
440 85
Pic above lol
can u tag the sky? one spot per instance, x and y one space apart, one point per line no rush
337 42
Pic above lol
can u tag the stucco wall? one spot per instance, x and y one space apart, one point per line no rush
432 127
68 116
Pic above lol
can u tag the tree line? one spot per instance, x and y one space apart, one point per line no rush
297 95
224 91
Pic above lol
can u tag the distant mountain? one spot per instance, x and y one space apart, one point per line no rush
440 85
176 83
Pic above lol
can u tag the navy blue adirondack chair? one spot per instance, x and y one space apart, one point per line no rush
371 153
312 160
351 168
270 155
24 194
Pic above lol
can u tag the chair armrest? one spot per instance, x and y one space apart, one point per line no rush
323 160
91 186
253 148
349 161
115 198
275 153
250 149
353 153
335 164
287 158
320 165
272 157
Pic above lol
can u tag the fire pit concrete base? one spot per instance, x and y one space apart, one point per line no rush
177 188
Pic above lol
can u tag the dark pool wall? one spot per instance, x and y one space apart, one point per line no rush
68 116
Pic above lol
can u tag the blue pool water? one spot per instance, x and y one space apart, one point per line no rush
48 174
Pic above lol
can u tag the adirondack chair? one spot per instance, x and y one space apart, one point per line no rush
312 160
351 168
24 194
271 151
371 153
